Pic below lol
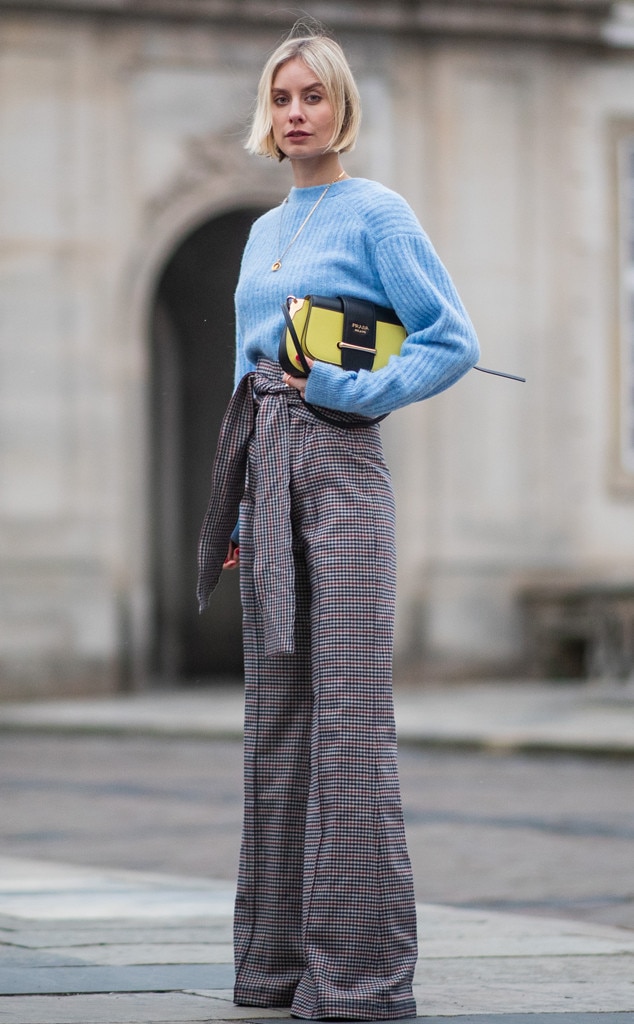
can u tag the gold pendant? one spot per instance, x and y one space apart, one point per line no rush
276 265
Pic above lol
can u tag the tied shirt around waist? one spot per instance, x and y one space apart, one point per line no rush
259 409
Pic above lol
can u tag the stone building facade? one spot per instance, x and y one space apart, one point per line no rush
125 198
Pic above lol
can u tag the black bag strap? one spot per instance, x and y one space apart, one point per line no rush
296 342
358 343
331 420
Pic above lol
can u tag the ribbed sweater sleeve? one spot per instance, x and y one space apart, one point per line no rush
439 349
242 364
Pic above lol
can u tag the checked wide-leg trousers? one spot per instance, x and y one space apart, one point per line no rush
325 914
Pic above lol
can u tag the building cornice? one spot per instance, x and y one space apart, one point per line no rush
566 21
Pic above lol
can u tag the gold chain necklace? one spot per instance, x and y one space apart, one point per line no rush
278 261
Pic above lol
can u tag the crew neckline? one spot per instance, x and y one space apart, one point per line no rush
299 193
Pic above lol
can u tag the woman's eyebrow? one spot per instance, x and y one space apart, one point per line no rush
305 88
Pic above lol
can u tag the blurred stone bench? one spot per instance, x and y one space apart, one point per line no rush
583 630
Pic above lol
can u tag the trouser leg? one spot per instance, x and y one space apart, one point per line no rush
359 920
278 701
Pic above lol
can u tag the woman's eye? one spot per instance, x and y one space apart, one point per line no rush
279 101
313 97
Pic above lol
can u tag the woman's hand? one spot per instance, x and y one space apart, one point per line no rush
232 561
299 383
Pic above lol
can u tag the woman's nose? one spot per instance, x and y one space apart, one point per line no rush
295 111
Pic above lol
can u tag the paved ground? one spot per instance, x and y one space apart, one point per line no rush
545 833
82 945
88 944
588 718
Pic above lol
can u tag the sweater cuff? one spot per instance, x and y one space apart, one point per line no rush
321 388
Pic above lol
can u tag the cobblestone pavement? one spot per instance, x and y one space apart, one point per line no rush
548 835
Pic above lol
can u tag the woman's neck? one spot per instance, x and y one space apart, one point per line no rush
326 169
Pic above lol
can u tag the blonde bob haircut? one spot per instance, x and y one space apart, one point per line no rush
327 61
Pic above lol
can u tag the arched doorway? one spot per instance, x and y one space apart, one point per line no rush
192 376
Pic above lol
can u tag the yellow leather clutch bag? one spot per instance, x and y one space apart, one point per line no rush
347 332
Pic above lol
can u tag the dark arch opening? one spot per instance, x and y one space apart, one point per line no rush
191 382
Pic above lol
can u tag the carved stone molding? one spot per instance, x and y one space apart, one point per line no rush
567 21
218 163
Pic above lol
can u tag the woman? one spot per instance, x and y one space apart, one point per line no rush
325 912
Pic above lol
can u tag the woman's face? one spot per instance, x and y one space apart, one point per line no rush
303 119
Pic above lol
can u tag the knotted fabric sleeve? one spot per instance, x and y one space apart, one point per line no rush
273 564
227 488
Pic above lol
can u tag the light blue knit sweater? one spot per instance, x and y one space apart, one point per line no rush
364 241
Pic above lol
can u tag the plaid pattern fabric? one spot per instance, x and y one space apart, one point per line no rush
325 913
227 488
272 526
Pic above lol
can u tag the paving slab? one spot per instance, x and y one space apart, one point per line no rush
42 890
448 932
113 1008
123 978
130 954
212 711
15 957
115 934
582 718
539 985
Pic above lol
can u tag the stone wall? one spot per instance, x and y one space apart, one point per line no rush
120 132
574 21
